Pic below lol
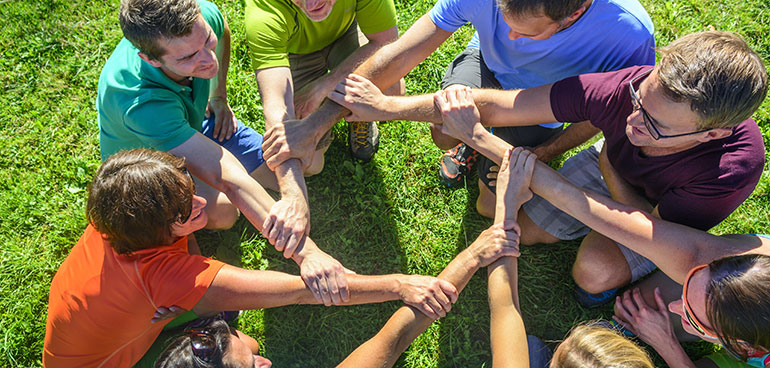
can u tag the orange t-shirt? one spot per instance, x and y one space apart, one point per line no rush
100 303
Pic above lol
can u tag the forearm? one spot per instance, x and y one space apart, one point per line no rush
486 143
326 83
407 323
575 135
672 247
508 337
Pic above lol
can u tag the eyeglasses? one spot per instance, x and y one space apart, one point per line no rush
189 213
688 313
649 122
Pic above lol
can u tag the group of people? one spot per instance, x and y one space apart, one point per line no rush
679 154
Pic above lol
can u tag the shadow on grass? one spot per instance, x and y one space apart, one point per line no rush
351 220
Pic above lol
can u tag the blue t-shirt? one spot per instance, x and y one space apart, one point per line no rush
611 35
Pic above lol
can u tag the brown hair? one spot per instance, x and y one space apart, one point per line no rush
145 21
595 346
717 73
738 302
557 10
136 196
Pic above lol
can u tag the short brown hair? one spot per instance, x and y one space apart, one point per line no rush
557 10
136 196
591 345
738 301
717 73
145 21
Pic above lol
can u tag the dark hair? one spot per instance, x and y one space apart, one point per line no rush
179 352
554 9
136 196
717 73
145 21
738 301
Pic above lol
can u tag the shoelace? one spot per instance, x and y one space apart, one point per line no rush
361 134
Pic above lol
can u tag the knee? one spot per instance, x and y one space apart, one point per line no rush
222 218
592 276
485 204
317 166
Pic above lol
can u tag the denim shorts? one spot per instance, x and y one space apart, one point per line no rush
245 144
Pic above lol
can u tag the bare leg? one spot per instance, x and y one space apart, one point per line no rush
670 290
265 177
318 163
600 265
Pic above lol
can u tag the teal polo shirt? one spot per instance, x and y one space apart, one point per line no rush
140 107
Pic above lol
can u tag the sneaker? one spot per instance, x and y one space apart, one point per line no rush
364 139
456 164
588 300
612 324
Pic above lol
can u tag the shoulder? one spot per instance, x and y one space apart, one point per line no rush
743 151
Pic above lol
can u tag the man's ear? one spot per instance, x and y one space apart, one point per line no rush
150 60
717 133
574 16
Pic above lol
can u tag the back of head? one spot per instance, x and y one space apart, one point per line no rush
722 79
557 10
179 353
593 346
738 302
135 197
144 22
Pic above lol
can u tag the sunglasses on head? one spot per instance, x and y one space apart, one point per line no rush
203 343
688 313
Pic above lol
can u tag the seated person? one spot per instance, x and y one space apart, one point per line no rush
155 91
587 346
135 257
679 133
725 298
299 50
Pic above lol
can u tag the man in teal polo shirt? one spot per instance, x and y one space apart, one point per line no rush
155 92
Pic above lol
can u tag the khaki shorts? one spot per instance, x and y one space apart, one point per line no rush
306 68
583 171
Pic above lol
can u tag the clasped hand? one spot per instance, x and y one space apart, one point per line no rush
458 112
365 101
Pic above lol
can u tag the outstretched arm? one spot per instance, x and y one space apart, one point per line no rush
508 336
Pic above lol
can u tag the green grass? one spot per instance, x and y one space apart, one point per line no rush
390 215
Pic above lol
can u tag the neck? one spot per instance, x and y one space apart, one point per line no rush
665 151
178 79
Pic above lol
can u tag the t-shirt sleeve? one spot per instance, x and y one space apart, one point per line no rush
213 17
450 15
702 206
159 120
375 15
267 34
593 97
178 278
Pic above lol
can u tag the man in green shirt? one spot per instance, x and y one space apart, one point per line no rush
300 49
155 91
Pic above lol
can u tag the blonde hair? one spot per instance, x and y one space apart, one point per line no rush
595 346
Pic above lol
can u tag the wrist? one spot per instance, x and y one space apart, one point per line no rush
477 133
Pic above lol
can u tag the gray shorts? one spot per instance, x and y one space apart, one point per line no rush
469 69
583 171
306 68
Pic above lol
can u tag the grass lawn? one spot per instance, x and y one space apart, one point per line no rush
390 215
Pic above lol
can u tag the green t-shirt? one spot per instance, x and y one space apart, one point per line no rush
276 28
140 107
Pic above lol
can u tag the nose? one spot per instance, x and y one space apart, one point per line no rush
635 119
676 307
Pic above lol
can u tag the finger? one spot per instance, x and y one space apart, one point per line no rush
334 290
450 291
452 97
436 306
492 175
291 244
529 165
440 101
232 127
342 284
338 97
636 295
276 159
661 304
323 288
620 310
506 160
272 236
312 284
629 304
268 225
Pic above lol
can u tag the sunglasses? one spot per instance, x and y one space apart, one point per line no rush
185 218
688 313
649 122
203 343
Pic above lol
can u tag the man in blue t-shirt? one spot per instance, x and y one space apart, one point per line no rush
518 44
